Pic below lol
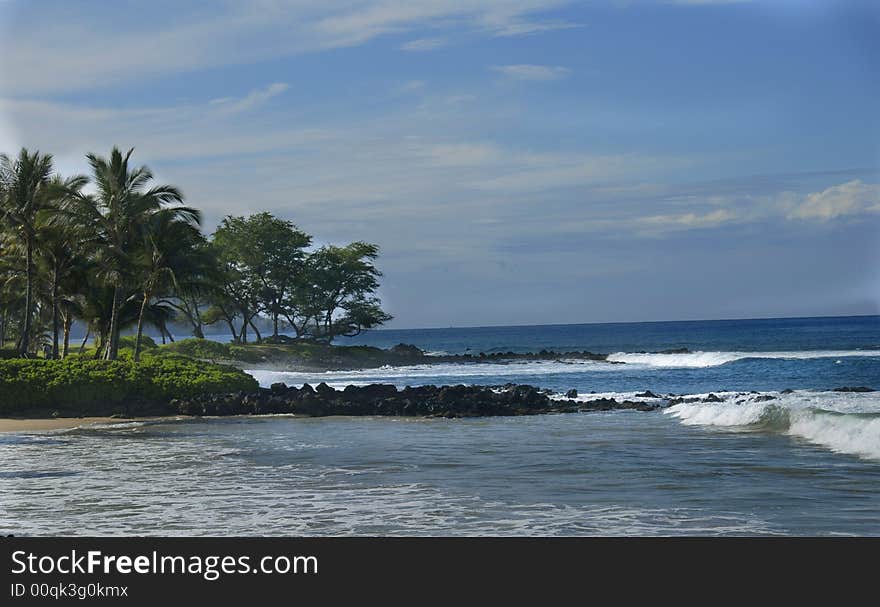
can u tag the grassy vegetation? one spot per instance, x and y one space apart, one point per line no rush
85 384
305 353
206 349
78 384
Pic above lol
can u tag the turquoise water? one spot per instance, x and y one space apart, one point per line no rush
804 462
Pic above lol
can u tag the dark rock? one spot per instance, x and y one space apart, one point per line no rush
647 394
385 399
407 350
325 390
712 398
278 388
854 389
571 393
278 339
376 391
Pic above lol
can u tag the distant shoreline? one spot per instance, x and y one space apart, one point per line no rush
182 333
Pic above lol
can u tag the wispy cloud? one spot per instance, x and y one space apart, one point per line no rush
525 28
230 105
525 71
424 44
690 220
73 55
850 198
411 86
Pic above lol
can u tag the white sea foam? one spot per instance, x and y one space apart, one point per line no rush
842 422
526 368
589 396
416 373
714 359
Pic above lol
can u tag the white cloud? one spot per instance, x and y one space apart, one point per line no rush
82 51
525 71
525 172
230 105
850 198
690 220
424 44
524 28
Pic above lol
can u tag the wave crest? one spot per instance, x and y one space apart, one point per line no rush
844 424
699 360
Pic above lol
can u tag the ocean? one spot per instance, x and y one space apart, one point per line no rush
783 453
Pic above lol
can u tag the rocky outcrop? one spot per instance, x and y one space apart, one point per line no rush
384 399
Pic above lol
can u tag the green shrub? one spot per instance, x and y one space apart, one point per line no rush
198 348
128 342
74 382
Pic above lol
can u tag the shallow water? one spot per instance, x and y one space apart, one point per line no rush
804 463
601 473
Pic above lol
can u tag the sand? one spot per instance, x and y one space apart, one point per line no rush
61 423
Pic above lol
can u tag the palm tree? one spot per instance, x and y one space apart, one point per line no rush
25 184
167 258
59 249
10 288
115 216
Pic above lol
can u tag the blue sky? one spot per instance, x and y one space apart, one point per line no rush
518 161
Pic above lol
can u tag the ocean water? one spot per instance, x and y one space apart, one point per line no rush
783 453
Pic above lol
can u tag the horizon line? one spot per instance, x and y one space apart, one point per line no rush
621 322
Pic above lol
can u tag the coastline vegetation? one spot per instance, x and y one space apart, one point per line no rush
115 252
85 386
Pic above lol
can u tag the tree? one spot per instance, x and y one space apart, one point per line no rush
11 289
165 259
59 251
263 258
196 289
24 191
116 216
342 283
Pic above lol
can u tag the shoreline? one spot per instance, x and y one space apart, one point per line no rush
376 399
42 424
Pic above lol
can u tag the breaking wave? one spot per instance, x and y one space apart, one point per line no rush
843 423
714 359
441 372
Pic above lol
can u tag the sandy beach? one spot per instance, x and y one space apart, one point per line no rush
63 423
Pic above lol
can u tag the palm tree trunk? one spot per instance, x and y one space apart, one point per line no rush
55 328
68 322
85 340
28 297
140 329
113 340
